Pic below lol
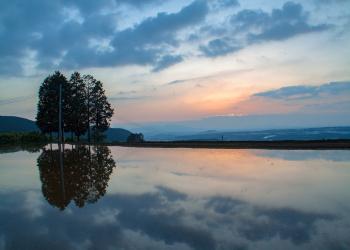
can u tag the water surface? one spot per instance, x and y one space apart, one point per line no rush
135 198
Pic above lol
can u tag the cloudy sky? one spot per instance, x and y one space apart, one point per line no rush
183 60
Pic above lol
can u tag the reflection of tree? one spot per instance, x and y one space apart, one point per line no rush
83 175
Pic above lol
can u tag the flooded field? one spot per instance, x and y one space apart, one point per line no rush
152 198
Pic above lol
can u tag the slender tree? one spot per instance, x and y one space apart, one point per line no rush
102 111
89 82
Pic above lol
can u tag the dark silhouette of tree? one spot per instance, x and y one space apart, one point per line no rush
135 138
81 177
84 106
76 108
89 82
101 111
47 113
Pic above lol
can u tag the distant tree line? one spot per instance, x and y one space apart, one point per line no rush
84 105
22 138
135 138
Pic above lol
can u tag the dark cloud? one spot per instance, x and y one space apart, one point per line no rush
251 26
307 91
228 3
218 4
167 61
331 1
138 3
60 34
218 47
142 43
67 34
280 24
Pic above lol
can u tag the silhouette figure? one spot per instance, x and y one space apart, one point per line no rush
80 174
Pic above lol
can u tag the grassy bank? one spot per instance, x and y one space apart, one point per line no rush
18 138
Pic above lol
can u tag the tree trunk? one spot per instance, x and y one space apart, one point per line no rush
88 106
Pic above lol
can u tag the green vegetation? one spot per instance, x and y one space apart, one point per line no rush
84 106
135 138
22 138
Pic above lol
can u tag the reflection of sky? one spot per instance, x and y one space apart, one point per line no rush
302 155
187 199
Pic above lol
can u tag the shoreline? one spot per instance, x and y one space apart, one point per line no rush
288 144
343 144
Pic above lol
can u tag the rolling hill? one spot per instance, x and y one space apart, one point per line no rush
19 124
16 124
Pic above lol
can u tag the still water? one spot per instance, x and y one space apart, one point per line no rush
135 198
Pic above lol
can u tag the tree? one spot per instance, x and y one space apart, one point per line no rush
76 109
135 138
47 114
89 82
83 101
101 111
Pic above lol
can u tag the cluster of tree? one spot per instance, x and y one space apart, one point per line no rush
80 175
135 138
84 105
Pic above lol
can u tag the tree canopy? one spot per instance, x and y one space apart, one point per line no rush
84 105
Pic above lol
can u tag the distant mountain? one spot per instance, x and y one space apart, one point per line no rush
326 133
16 124
117 134
19 124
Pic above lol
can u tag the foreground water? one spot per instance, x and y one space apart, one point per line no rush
134 198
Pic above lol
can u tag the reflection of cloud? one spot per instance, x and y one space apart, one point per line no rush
158 221
171 194
302 155
33 204
106 216
138 240
2 242
182 174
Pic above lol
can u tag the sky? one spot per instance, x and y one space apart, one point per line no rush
178 63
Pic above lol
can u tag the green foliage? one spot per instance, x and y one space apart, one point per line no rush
84 106
22 138
76 115
47 114
100 111
135 138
